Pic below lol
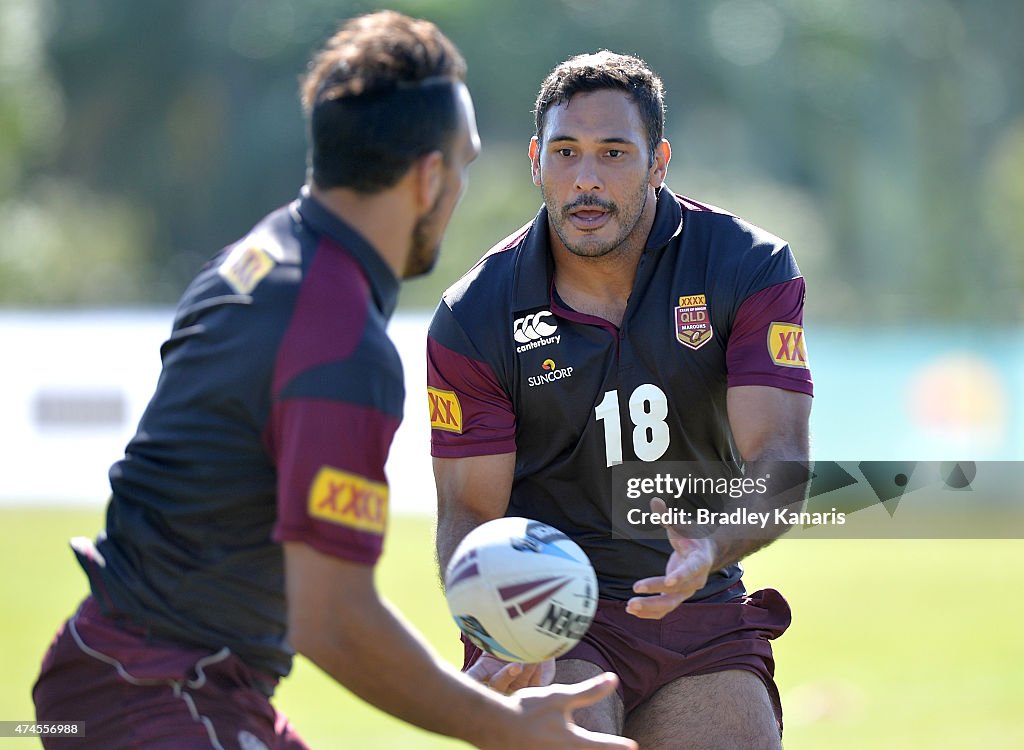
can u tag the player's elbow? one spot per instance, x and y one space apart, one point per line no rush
330 602
310 635
327 639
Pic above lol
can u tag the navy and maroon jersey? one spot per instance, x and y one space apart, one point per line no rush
716 303
271 421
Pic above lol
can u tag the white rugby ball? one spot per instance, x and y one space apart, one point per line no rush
521 590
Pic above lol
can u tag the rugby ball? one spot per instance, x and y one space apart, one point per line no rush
521 590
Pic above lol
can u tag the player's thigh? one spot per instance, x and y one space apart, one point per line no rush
604 716
727 710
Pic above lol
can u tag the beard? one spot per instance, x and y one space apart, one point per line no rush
426 242
626 217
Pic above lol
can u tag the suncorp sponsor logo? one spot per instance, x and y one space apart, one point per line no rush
552 372
534 330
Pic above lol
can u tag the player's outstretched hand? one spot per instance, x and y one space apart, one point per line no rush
506 678
686 573
544 720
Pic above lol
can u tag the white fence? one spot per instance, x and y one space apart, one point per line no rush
73 386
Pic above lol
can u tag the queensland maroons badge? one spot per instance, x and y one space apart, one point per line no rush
693 323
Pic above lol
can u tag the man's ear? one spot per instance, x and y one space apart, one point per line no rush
659 170
429 180
535 160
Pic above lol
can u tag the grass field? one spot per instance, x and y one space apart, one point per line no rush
894 644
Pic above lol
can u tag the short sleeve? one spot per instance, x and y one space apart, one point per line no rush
766 345
337 402
331 490
470 413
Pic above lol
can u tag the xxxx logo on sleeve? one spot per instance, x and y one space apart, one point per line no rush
693 323
445 410
245 267
786 345
349 500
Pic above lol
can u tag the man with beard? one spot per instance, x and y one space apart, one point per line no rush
626 323
250 507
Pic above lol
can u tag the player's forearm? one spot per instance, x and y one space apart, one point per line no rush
373 653
786 475
453 523
730 551
470 491
770 429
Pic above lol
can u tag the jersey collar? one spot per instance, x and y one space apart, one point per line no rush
535 268
383 282
668 220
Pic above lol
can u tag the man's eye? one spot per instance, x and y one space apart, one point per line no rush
614 153
565 152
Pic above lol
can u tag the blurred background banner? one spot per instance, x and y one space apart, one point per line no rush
74 384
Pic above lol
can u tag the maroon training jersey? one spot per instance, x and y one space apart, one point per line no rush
272 419
716 303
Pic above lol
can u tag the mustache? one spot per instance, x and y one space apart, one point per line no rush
589 200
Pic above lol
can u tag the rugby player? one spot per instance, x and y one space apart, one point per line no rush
626 323
250 508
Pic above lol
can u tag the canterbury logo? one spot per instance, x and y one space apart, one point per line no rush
533 327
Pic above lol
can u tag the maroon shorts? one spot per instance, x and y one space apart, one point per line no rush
696 638
132 692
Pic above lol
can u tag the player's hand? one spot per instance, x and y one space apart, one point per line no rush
544 718
686 573
506 678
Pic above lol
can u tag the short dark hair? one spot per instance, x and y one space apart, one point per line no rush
606 70
378 96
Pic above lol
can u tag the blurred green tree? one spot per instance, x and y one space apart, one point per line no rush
876 135
63 243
